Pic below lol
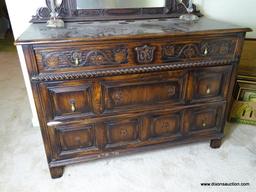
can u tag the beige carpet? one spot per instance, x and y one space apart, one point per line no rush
23 166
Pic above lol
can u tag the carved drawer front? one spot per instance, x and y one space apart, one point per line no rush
166 126
73 139
121 133
129 92
210 83
205 119
69 99
86 57
90 57
215 48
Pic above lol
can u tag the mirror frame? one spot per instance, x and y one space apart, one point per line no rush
69 13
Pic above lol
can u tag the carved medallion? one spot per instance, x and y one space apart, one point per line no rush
169 51
165 125
97 58
171 91
224 48
52 61
117 97
121 56
145 54
123 132
189 51
179 51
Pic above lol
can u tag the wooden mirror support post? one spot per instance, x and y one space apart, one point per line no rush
117 81
54 21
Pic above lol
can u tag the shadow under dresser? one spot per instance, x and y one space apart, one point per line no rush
106 88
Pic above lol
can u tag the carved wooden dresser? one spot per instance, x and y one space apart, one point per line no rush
106 88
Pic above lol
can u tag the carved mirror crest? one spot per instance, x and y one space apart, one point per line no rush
98 10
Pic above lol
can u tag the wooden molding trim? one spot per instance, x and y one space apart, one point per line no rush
125 71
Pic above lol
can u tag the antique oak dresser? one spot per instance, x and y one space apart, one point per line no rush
105 88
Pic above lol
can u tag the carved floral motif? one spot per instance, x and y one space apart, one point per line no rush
213 48
120 56
69 58
97 58
224 48
165 125
117 97
171 91
52 61
190 51
123 132
169 51
145 54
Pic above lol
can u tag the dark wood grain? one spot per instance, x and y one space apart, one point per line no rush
106 89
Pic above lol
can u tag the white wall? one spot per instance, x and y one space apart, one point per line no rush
241 12
20 13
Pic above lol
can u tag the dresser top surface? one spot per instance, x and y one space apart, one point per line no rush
112 30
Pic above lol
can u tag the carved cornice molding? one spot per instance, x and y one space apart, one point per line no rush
126 71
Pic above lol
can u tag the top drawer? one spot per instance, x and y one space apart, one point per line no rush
77 57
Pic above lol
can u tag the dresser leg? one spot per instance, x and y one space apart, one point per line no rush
56 172
215 143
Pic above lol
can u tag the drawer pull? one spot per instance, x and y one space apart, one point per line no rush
77 62
206 51
53 123
204 124
208 91
76 57
73 105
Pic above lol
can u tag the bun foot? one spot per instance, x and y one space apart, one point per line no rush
56 172
215 143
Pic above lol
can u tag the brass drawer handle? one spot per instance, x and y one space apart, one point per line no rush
76 58
77 62
206 51
208 91
73 105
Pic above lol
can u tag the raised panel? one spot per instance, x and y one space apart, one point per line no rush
73 140
205 119
122 132
68 99
166 125
144 91
210 83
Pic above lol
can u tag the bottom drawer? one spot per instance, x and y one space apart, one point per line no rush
104 135
73 139
204 119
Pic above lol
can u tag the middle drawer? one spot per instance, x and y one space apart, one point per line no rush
98 137
65 100
105 96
